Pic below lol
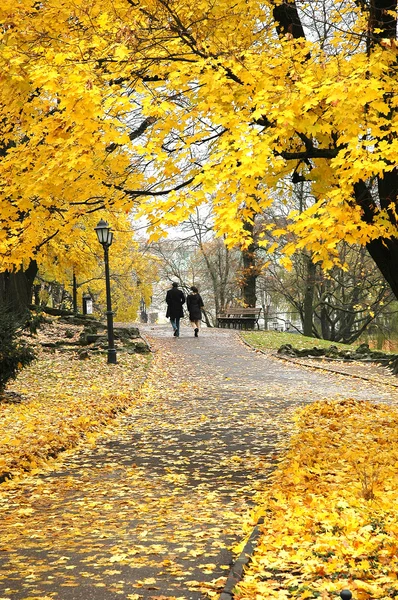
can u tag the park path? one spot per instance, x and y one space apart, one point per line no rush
153 509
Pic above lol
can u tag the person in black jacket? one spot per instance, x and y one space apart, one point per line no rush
195 305
174 300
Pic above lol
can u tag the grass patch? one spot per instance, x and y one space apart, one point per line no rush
272 340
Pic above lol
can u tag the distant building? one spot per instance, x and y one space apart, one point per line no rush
283 320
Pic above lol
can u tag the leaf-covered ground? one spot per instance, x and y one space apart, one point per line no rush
61 401
152 509
330 512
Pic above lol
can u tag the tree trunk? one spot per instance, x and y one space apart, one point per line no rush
36 294
308 307
383 251
249 270
385 254
16 289
250 276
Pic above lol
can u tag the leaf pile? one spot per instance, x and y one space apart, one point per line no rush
65 400
330 512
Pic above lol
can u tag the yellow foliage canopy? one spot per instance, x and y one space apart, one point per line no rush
116 103
76 251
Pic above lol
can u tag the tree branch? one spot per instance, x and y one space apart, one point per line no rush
140 193
382 18
287 19
307 154
134 134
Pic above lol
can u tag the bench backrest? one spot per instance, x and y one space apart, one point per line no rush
240 312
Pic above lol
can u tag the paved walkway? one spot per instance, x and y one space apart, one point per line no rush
152 511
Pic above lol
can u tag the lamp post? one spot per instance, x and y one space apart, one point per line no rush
105 237
74 294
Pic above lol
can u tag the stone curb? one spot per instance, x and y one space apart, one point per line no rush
323 368
297 361
143 337
236 572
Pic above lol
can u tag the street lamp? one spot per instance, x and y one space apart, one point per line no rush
105 237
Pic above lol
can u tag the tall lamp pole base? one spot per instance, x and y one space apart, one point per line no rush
112 360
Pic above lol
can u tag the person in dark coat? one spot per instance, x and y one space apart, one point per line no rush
174 300
195 305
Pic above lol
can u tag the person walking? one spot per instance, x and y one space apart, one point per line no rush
174 300
195 305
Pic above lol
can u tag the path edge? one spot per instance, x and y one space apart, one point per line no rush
297 361
237 570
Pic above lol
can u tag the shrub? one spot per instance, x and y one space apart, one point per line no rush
15 353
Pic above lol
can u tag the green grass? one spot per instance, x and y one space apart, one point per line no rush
272 340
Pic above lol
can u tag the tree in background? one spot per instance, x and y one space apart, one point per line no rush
338 304
210 266
81 256
219 263
345 302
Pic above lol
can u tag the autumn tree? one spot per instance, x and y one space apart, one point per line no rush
80 257
286 97
158 106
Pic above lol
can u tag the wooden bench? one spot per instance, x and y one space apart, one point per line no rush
239 318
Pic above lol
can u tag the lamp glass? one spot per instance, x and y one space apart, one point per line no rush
109 238
102 230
